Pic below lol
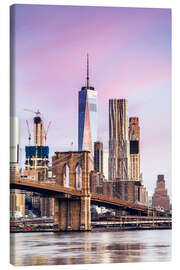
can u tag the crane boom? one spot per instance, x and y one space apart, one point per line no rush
46 132
37 113
29 138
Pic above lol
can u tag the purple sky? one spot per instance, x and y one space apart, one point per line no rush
130 57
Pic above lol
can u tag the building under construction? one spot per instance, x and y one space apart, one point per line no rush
37 156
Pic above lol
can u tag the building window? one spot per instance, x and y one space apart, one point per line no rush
92 107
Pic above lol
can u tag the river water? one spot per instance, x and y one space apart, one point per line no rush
90 247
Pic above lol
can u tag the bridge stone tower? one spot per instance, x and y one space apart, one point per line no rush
72 212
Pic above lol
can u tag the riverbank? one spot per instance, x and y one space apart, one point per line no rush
101 229
129 229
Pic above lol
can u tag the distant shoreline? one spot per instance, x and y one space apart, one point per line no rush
98 230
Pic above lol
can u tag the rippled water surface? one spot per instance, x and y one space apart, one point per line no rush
90 247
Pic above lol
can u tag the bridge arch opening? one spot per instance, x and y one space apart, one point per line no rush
66 175
78 177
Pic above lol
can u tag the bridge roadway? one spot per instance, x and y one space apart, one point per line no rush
109 201
53 189
50 189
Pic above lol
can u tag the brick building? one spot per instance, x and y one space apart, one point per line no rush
126 190
47 206
96 180
17 202
134 137
160 197
132 191
98 157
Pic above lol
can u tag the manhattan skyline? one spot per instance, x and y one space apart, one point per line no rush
130 57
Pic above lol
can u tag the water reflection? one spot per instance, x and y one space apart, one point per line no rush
90 247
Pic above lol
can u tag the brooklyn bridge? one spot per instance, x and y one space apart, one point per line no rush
73 198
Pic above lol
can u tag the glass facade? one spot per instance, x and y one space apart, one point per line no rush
37 151
87 122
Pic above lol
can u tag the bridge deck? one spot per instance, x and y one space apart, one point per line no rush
44 188
53 189
118 202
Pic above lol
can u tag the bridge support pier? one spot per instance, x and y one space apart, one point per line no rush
72 214
85 213
72 211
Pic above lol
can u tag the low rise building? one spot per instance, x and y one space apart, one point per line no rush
17 203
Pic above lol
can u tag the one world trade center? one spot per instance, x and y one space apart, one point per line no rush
87 117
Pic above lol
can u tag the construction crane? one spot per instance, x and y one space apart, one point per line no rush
46 132
37 113
29 138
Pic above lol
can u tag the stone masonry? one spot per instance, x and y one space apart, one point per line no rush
160 197
66 206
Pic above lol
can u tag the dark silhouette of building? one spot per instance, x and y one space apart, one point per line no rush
160 197
98 157
47 206
134 136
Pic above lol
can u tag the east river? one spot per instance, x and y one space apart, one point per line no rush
90 247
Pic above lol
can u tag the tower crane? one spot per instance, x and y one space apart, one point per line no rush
37 113
46 132
29 138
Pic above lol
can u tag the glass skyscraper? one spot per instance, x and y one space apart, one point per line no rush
87 117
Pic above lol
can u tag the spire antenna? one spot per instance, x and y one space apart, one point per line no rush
87 71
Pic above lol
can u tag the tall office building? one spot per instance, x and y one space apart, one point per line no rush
14 164
119 152
87 118
134 136
105 163
14 140
17 198
98 157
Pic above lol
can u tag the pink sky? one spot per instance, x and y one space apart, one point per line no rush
130 57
